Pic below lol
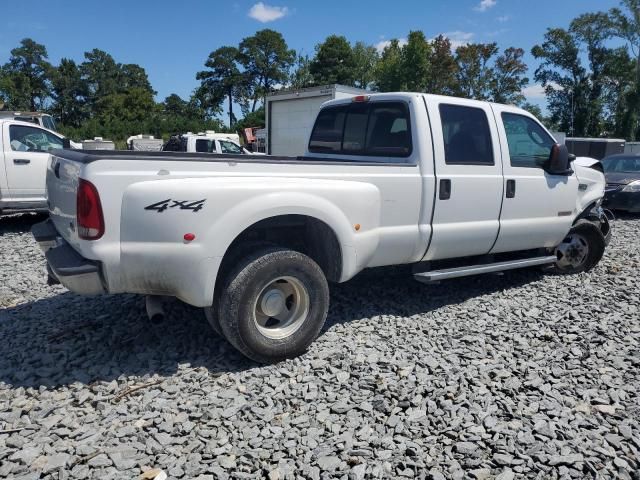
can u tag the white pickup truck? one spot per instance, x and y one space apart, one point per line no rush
24 155
451 187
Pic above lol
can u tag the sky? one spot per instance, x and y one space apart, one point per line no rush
172 40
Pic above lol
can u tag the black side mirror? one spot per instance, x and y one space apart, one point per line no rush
66 143
559 160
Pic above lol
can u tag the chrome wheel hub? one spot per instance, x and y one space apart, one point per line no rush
572 252
281 307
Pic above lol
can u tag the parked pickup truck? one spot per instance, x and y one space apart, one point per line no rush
24 155
205 143
448 186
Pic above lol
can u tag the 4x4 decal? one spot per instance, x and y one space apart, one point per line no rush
160 207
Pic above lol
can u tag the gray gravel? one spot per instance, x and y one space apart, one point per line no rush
514 376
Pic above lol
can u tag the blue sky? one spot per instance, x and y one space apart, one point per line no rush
171 40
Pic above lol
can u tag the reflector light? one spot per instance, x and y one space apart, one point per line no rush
89 216
189 237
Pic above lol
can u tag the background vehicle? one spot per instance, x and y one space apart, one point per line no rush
144 143
205 143
452 187
24 155
622 173
43 119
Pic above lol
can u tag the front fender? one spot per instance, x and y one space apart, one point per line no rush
155 257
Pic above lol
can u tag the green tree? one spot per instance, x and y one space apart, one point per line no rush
101 74
565 80
68 92
474 74
625 24
389 71
443 67
415 69
266 59
508 77
301 76
25 79
223 77
334 62
365 59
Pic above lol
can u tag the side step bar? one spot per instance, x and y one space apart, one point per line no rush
435 275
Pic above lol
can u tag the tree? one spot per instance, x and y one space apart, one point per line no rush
508 77
442 76
365 58
626 25
416 68
301 76
474 74
592 30
389 71
101 74
223 79
25 78
334 62
68 93
266 59
564 79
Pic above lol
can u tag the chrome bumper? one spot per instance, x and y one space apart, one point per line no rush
65 265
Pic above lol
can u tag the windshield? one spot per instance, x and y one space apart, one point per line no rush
621 164
47 122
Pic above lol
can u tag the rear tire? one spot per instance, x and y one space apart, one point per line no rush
581 250
273 304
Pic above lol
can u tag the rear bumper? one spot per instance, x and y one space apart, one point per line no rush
64 264
617 200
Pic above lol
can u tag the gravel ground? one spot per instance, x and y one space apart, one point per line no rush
514 376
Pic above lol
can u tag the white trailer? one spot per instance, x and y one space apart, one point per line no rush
290 115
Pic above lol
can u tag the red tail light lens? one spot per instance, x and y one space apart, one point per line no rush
89 212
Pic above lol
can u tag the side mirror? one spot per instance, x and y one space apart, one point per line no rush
66 143
559 160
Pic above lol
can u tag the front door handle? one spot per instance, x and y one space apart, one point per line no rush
511 188
21 161
445 189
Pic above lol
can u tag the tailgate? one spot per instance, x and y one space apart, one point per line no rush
62 185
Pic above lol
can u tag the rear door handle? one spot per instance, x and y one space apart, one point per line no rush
21 161
445 189
511 188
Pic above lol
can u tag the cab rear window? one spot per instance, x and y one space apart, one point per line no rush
380 129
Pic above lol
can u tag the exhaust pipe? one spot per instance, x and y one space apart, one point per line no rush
155 309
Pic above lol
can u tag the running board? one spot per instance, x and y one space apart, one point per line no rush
435 275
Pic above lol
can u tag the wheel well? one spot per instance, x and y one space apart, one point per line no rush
301 233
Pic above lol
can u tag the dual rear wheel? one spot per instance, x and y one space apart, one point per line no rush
272 304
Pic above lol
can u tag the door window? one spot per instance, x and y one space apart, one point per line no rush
230 147
31 139
467 138
529 144
205 146
380 129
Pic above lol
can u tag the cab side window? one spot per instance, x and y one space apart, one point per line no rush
376 129
467 138
529 144
31 139
205 146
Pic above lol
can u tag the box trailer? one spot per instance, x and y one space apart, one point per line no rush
290 115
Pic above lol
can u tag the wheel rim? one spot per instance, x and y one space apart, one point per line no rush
572 252
281 307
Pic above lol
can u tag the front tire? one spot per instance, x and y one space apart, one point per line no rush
274 304
581 249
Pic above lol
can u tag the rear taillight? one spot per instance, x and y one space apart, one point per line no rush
89 212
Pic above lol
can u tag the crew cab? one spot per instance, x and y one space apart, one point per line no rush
24 155
446 186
